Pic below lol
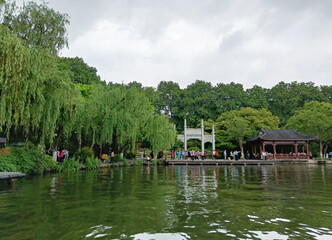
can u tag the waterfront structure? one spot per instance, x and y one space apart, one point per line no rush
281 144
197 133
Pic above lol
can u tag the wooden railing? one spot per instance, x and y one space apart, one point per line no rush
288 156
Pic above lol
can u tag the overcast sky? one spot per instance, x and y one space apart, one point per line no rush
249 42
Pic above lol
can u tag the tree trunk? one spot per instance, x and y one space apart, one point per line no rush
93 140
241 148
325 149
57 139
101 147
122 151
321 149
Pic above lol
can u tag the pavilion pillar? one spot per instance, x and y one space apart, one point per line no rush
296 151
307 145
274 150
263 147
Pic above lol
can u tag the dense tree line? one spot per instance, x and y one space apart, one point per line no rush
51 100
201 100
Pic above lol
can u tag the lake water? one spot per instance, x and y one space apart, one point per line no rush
173 202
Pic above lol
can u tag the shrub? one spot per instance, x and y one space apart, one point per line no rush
130 156
154 161
105 157
72 164
92 163
117 157
125 162
6 164
139 163
84 153
27 159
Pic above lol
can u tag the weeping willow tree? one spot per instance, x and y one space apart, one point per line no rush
33 92
113 115
37 24
97 115
63 99
161 133
132 116
21 78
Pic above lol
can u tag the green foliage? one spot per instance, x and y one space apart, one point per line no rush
194 148
8 163
154 162
125 162
28 159
38 25
84 154
286 98
244 123
30 79
314 119
160 133
130 156
92 163
82 73
85 89
139 163
117 158
72 165
169 96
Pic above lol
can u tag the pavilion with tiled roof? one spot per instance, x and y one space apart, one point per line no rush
283 143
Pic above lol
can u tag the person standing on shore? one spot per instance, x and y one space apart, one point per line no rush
55 156
236 155
225 154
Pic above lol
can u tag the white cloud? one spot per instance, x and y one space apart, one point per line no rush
256 43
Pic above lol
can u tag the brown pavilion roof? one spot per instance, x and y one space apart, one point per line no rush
280 134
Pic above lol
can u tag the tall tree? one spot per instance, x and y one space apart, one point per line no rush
38 25
160 133
257 97
230 97
314 118
30 83
327 92
80 71
285 98
168 98
196 103
237 125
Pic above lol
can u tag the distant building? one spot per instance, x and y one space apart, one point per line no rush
280 144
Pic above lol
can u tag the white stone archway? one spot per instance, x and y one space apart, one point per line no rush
197 133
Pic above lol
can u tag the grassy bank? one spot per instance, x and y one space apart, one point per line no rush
31 159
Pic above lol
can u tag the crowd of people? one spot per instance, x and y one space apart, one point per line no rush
202 155
59 156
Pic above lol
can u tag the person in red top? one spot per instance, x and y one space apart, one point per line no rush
61 156
216 155
172 155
